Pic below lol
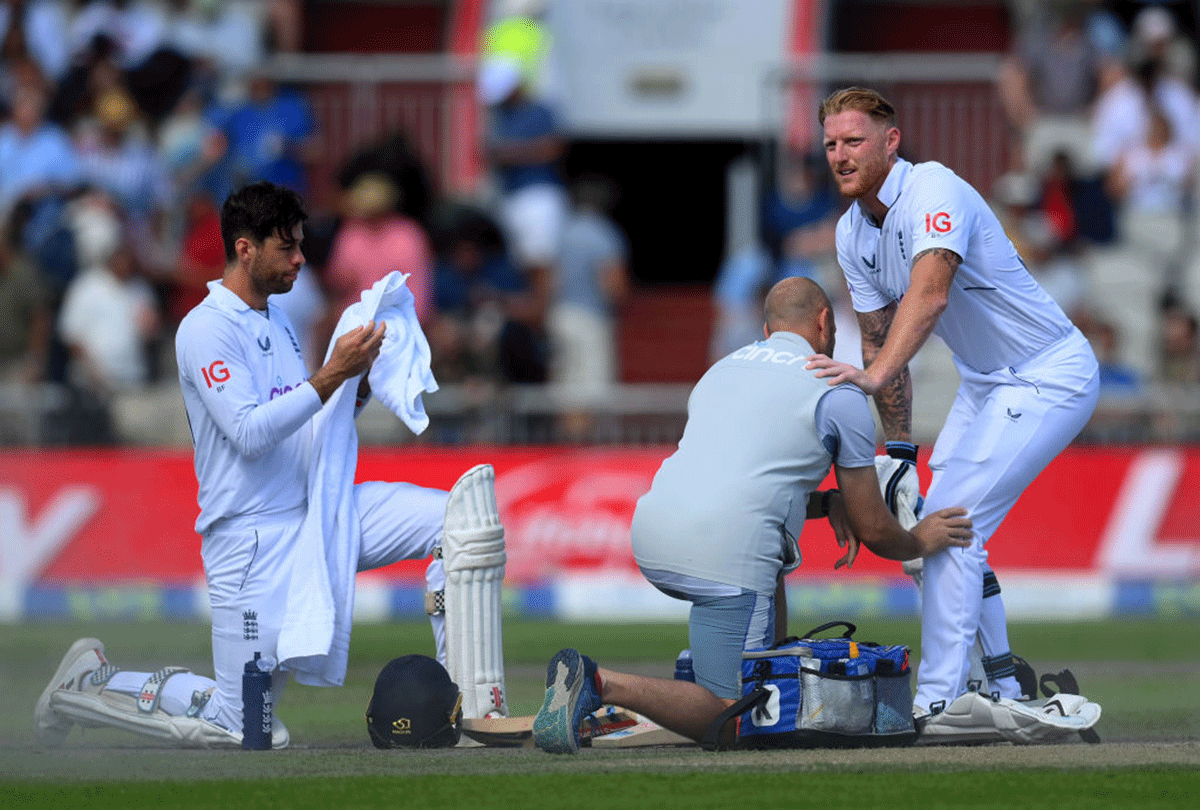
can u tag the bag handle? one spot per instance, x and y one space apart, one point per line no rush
851 629
711 741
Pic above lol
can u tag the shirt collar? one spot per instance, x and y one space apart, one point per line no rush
225 298
889 192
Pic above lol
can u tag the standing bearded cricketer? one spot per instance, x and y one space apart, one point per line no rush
252 409
923 254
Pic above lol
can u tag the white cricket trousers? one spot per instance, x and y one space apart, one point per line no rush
248 568
1002 431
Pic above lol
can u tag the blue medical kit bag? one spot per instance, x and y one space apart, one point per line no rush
822 693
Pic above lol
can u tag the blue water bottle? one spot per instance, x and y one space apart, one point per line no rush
256 706
683 667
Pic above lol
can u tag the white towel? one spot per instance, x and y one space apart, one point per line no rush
314 641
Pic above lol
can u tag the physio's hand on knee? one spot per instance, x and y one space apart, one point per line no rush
943 529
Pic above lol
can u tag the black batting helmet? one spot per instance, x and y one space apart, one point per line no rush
415 705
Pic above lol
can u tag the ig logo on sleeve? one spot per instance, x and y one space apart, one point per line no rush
216 374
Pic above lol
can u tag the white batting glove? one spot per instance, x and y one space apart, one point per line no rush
898 482
901 490
915 569
791 552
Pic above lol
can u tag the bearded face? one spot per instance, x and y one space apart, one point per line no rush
276 263
860 150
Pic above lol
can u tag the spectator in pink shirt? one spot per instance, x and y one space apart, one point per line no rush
374 240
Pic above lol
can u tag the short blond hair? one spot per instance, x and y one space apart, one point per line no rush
858 99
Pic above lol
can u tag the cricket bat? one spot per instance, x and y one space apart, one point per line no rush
517 732
500 732
641 735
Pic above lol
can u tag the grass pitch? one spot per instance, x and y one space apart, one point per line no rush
1146 674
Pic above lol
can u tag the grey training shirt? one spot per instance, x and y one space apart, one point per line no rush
761 434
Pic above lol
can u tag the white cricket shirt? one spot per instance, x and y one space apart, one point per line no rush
249 406
997 314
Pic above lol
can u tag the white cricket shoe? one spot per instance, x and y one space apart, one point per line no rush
215 736
76 695
280 736
221 737
83 664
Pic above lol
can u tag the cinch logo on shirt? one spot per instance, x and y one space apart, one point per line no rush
215 374
764 354
938 223
279 389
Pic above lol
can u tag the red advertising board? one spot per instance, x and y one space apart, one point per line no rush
108 516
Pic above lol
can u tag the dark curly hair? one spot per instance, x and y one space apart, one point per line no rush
258 211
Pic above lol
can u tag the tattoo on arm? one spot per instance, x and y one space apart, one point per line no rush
874 327
952 259
894 400
894 403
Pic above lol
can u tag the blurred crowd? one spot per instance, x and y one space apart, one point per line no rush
1102 188
1099 198
125 123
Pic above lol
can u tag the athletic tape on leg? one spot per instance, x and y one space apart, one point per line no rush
473 557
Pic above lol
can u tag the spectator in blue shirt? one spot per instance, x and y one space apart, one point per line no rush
271 136
36 157
39 169
481 302
799 218
591 284
524 146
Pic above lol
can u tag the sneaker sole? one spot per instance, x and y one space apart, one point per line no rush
52 733
552 730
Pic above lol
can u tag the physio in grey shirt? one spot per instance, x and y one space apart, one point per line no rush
718 526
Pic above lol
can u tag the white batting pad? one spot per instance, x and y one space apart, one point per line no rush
473 557
975 718
977 673
1054 718
968 719
115 710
